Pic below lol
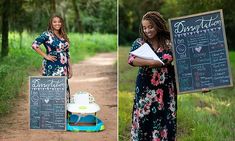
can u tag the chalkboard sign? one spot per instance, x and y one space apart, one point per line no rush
200 52
47 102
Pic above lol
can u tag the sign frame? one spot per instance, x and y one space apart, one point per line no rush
64 80
224 42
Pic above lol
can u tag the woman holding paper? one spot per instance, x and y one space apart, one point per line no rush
154 110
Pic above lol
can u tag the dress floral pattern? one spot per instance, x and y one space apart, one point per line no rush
154 109
55 47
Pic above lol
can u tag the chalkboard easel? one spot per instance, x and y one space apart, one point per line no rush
47 102
200 52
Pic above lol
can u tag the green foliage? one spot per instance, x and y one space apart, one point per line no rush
10 85
208 117
33 15
85 45
126 72
130 14
131 11
15 68
108 16
125 110
127 75
23 61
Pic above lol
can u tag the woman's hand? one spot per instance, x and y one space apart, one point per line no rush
50 58
46 56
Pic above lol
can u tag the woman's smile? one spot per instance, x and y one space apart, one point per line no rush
149 29
56 23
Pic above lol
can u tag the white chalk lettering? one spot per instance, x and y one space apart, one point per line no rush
36 83
200 24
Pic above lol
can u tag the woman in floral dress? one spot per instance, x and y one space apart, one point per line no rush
154 110
56 60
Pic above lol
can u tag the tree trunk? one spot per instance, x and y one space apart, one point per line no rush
53 7
77 20
5 27
21 38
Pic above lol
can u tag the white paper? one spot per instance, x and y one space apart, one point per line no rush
146 52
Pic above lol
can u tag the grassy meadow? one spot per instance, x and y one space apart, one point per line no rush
200 117
22 61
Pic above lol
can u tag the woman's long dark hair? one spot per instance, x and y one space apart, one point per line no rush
163 34
62 29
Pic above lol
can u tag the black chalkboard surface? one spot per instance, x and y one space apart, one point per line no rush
200 52
47 102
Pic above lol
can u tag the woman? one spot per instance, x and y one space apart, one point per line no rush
56 60
154 110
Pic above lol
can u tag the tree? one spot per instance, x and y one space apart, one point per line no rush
130 14
16 22
77 19
53 7
5 27
108 16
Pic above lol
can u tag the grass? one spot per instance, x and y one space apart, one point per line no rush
208 117
22 61
85 45
125 110
127 75
126 72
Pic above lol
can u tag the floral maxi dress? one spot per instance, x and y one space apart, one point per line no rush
55 47
154 109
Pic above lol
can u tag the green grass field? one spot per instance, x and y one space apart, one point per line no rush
208 117
23 61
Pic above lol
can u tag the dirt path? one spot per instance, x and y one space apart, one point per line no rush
96 75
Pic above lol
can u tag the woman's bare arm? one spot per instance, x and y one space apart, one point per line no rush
140 62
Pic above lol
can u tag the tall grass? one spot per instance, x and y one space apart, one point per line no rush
124 111
127 75
22 61
85 45
200 117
